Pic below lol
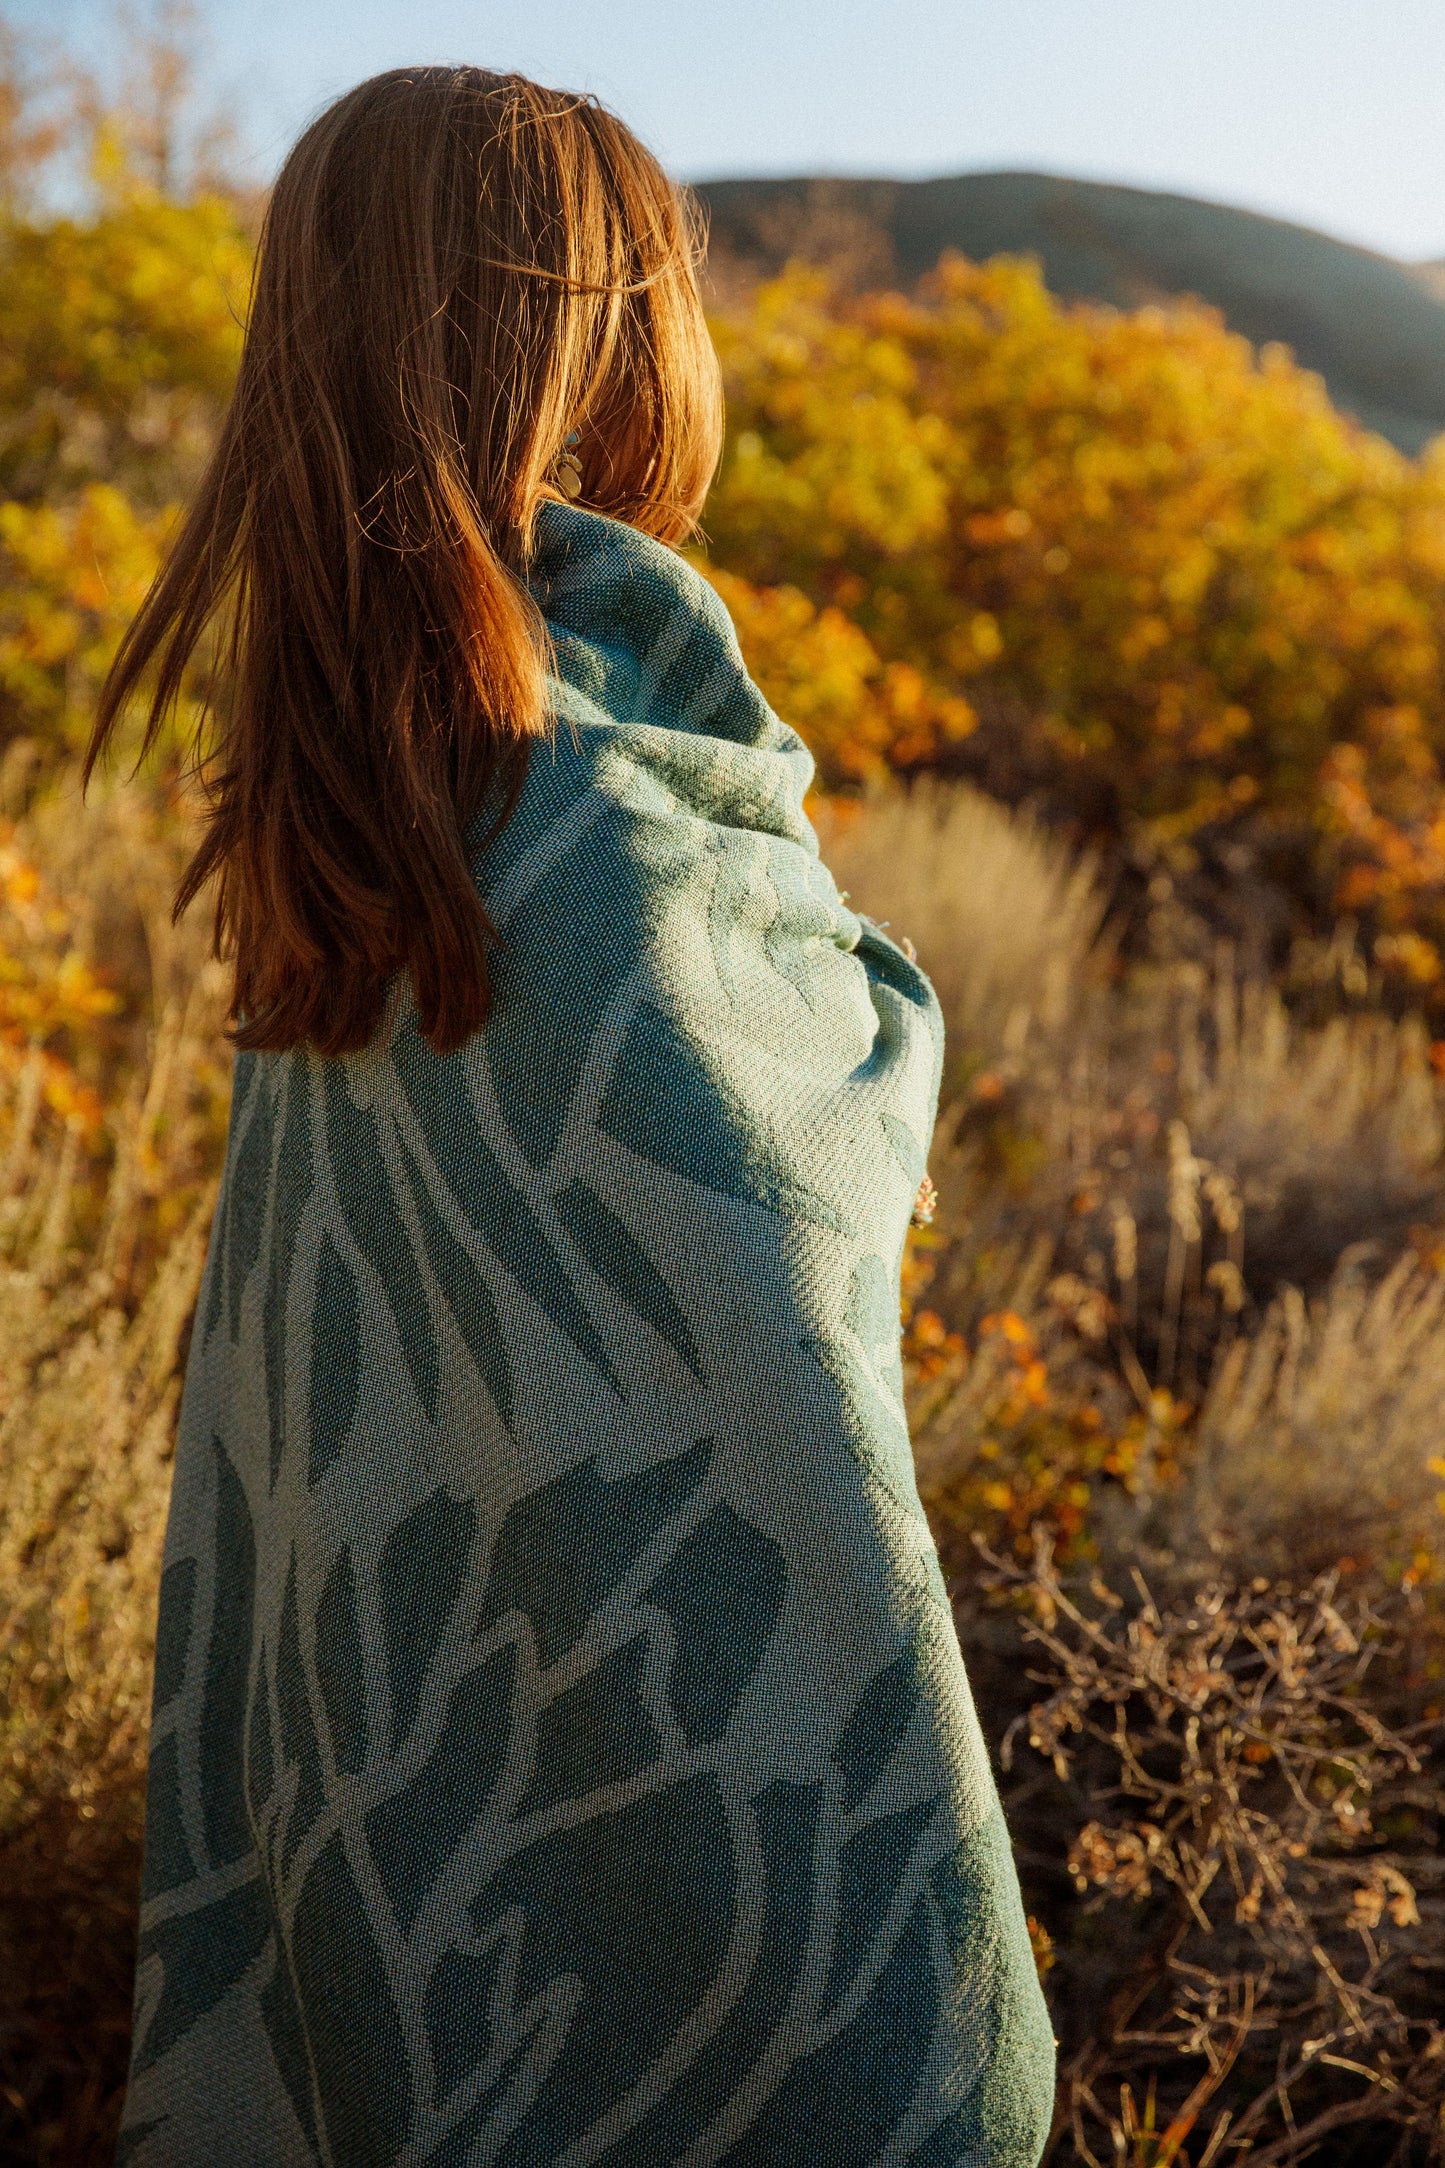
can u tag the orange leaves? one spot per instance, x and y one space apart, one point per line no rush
1041 1942
1381 804
50 999
70 580
986 529
931 1351
932 1354
1159 566
861 716
1028 1381
1117 1861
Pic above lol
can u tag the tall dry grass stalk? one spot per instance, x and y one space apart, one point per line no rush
1006 919
104 1215
88 1386
1322 1435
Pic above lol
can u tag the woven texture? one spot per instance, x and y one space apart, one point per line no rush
562 1751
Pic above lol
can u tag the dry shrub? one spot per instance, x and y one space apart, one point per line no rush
1006 919
1249 1928
1319 1439
1183 1310
1208 1112
1322 1434
85 1444
1083 1096
102 1239
1143 1102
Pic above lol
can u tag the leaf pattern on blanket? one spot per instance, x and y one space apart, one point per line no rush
560 1749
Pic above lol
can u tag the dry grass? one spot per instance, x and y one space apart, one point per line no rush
1008 921
1322 1435
102 1238
1183 1315
1186 1322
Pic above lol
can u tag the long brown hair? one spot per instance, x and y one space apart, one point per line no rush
457 269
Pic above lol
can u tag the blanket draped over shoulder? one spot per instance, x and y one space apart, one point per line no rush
562 1751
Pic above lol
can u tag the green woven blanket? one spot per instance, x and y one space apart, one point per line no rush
562 1752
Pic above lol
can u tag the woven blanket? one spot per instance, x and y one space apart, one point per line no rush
562 1751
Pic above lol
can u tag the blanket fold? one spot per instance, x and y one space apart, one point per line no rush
562 1751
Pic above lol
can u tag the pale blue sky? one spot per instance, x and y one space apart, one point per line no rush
1328 111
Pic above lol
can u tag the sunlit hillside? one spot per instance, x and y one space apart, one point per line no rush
1373 327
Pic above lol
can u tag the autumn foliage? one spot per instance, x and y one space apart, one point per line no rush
1183 1305
1121 563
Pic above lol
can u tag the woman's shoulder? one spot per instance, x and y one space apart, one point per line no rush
642 635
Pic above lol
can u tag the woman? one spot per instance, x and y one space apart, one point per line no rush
561 1750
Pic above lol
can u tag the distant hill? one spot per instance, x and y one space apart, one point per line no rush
1374 328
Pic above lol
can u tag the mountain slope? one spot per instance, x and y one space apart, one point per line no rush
1374 328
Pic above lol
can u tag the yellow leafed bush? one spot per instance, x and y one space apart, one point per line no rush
71 579
1179 592
119 338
